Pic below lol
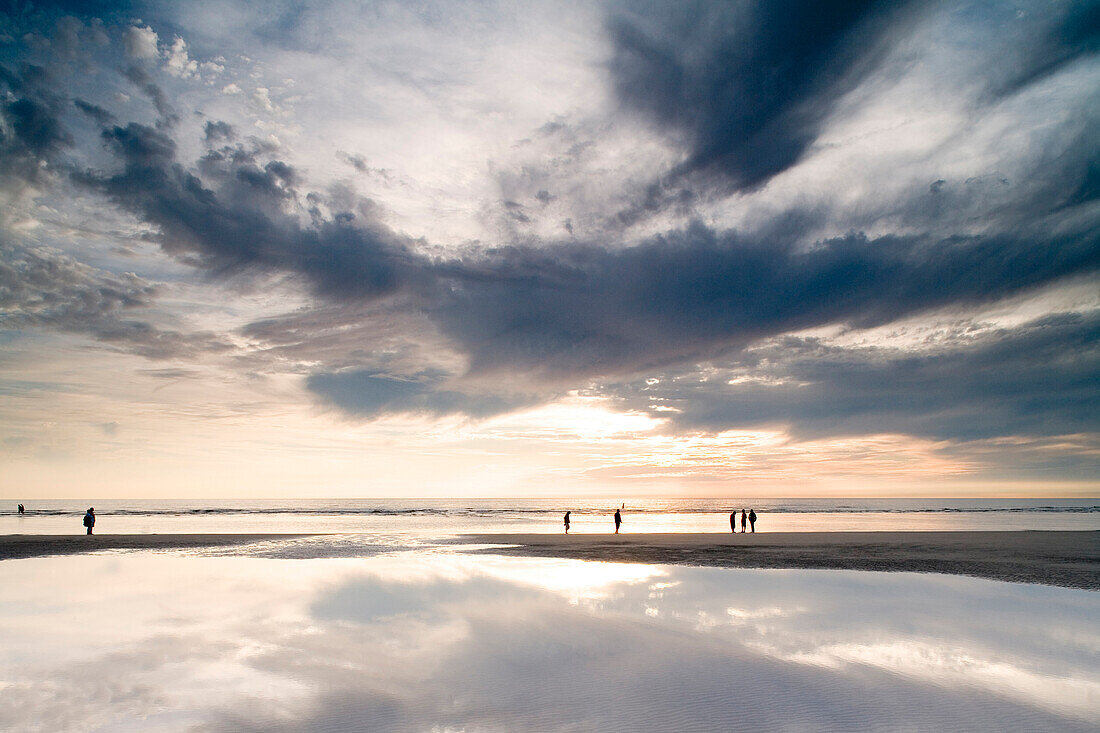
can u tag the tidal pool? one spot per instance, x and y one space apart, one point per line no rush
435 640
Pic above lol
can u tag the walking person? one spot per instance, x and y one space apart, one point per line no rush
744 518
752 520
618 521
567 522
21 510
89 519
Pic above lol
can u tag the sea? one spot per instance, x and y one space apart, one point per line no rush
378 622
418 518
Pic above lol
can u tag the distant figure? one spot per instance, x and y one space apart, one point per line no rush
89 519
618 521
733 521
567 522
22 510
744 518
752 520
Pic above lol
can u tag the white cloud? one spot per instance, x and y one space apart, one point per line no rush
261 97
140 42
177 61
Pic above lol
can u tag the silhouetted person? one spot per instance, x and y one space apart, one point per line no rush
752 520
21 509
618 521
744 518
567 522
733 521
89 519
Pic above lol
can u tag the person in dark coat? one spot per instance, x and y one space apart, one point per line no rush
733 521
89 519
752 520
567 522
21 509
618 521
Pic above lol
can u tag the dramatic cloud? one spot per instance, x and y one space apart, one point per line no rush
31 135
747 84
1037 379
700 193
247 218
748 87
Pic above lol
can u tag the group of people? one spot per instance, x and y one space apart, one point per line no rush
748 516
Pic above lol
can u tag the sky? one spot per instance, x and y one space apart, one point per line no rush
465 249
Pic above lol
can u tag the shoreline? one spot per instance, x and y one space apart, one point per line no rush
1068 558
20 546
1063 558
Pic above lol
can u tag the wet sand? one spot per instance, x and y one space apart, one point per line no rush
14 546
1067 559
1059 558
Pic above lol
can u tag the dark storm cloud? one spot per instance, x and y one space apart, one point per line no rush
32 136
1064 36
370 394
748 85
585 310
1037 379
237 218
45 289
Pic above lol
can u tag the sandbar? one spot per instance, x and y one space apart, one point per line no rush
15 546
1068 559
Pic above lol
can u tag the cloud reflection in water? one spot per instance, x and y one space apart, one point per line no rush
412 642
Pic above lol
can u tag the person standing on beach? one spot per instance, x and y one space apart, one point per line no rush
752 521
567 522
89 519
21 510
744 518
618 521
733 522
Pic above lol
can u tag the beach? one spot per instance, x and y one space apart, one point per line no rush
1068 559
223 633
27 545
427 629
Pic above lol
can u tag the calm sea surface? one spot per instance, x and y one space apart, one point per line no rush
410 518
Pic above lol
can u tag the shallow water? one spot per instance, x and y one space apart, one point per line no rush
433 639
412 519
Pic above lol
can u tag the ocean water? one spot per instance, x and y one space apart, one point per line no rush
433 639
411 519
